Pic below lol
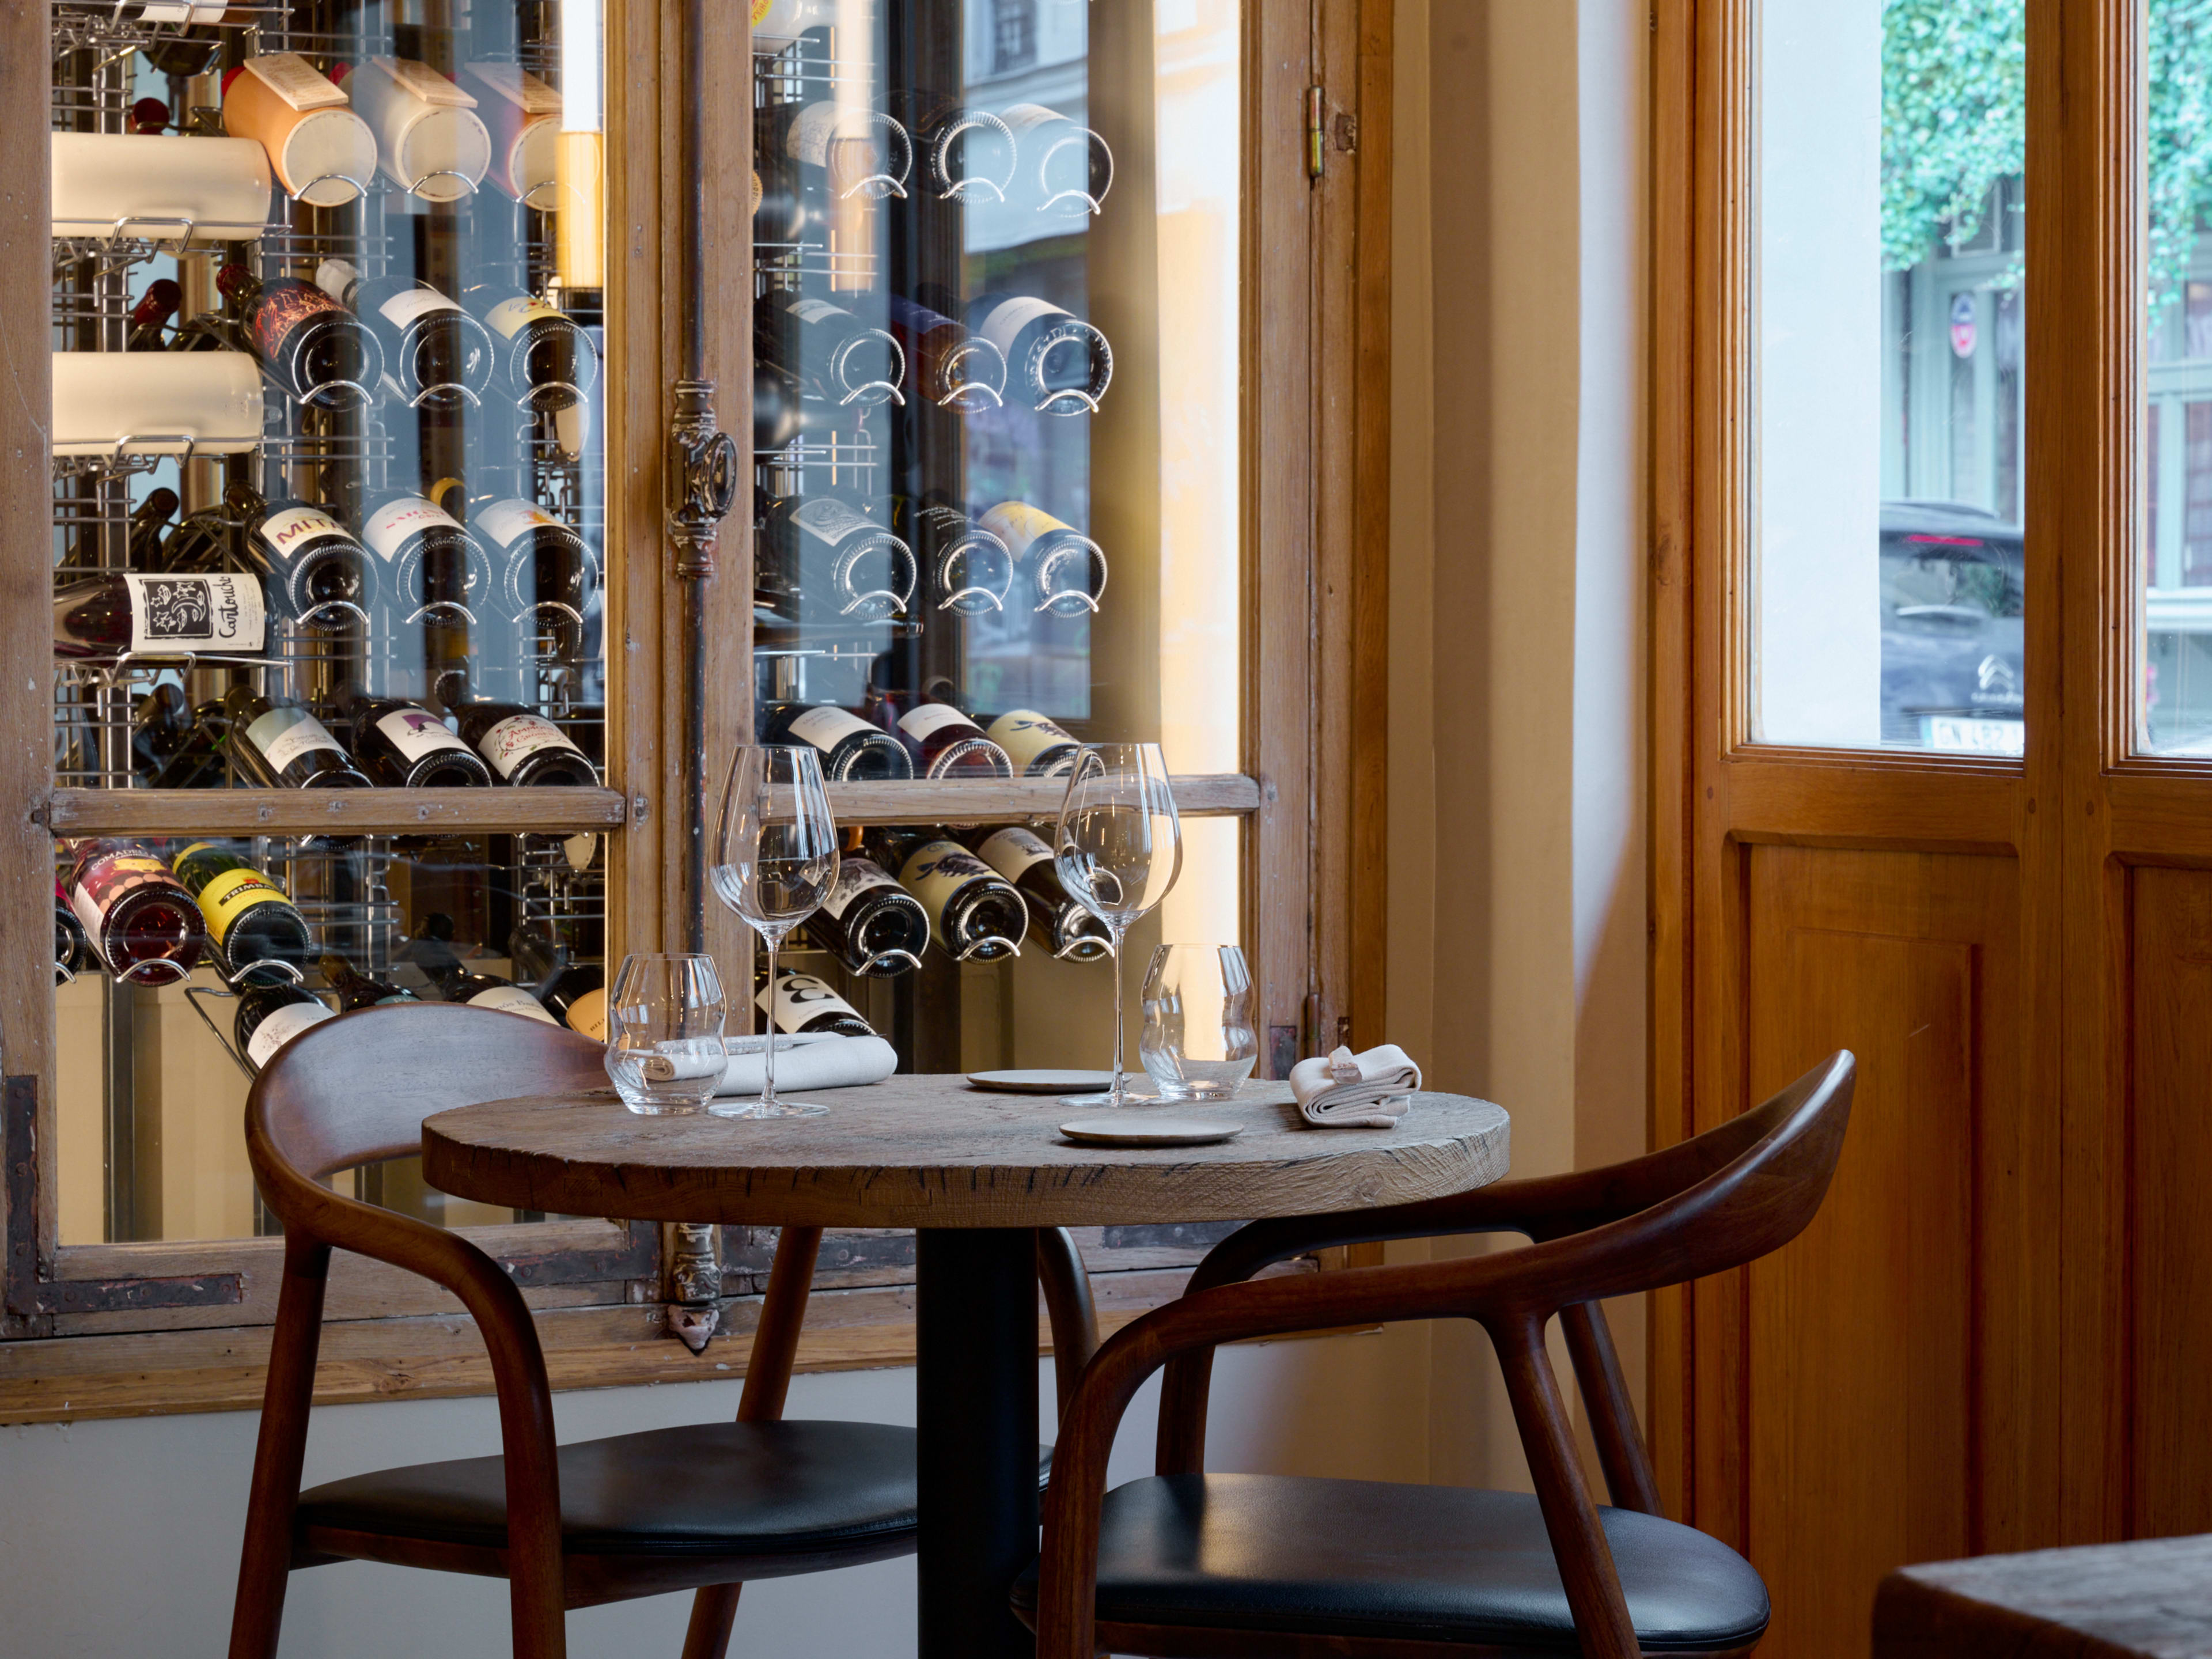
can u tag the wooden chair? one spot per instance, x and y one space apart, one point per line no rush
567 1526
1189 1563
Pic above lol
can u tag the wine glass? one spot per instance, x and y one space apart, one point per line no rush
775 860
1198 1043
665 1053
1118 850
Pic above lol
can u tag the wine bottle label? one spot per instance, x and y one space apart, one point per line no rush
512 999
229 896
588 1014
387 529
290 528
417 733
518 87
424 82
581 849
825 728
815 311
216 613
404 307
282 735
110 877
1013 850
280 1026
935 872
919 721
510 317
1024 119
830 520
503 522
517 738
855 876
1026 736
1010 317
801 999
294 80
811 130
183 11
1018 524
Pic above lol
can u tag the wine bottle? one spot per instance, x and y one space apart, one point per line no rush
434 570
148 520
430 343
868 922
806 1007
457 983
354 989
1038 746
1023 857
837 151
1056 363
202 762
132 908
314 349
942 742
283 746
323 153
151 315
539 561
524 749
1065 169
190 51
160 725
829 350
966 154
782 212
546 358
820 544
783 410
576 996
312 570
969 569
951 366
149 116
852 750
271 1015
163 616
249 920
974 914
402 745
429 140
72 944
1066 570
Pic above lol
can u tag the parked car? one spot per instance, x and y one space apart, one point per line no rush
1953 582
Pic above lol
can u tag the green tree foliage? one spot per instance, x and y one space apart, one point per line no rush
1954 122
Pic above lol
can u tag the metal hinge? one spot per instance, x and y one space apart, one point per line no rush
1316 133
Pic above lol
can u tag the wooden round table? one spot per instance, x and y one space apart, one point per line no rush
976 1174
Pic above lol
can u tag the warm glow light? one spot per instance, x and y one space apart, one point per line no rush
580 168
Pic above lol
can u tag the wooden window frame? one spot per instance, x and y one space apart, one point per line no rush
142 1329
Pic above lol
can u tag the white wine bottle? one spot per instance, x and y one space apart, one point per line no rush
1066 570
1056 363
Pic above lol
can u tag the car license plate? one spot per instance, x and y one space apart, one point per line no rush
1973 737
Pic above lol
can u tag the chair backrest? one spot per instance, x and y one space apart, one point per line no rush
356 1090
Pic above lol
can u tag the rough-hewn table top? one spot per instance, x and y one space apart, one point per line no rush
932 1152
2150 1598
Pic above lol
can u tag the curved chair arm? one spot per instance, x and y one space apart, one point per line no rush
1068 1304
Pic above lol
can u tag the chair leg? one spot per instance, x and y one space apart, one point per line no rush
711 1610
265 1564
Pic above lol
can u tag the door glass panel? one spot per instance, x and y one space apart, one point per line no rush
996 442
2174 691
1888 392
329 511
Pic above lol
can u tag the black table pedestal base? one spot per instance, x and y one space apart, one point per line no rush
976 1358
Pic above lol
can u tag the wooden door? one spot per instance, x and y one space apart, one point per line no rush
1984 1343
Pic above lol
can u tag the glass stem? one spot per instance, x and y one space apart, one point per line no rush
1119 933
768 1018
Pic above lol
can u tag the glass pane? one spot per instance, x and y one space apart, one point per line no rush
2175 710
329 512
1889 394
997 452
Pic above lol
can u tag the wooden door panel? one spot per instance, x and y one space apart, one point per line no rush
1861 1341
2169 1271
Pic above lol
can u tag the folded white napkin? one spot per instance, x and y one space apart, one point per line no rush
823 1060
1347 1090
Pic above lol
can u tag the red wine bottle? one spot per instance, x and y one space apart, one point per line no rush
271 1015
283 746
950 365
1056 363
457 983
73 952
968 570
133 910
942 742
160 302
430 343
823 546
974 913
852 749
312 568
524 749
868 922
806 1007
1023 858
314 349
402 745
546 358
162 616
577 997
161 726
354 989
1038 746
829 351
432 569
537 560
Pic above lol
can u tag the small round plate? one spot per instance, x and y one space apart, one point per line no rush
1041 1083
1146 1129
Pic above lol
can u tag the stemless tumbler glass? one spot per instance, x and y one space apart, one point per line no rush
775 860
1118 850
1199 1041
664 1051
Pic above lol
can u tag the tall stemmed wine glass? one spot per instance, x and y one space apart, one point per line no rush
1118 850
775 860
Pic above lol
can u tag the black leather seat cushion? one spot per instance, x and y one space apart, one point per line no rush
753 1489
1361 1557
